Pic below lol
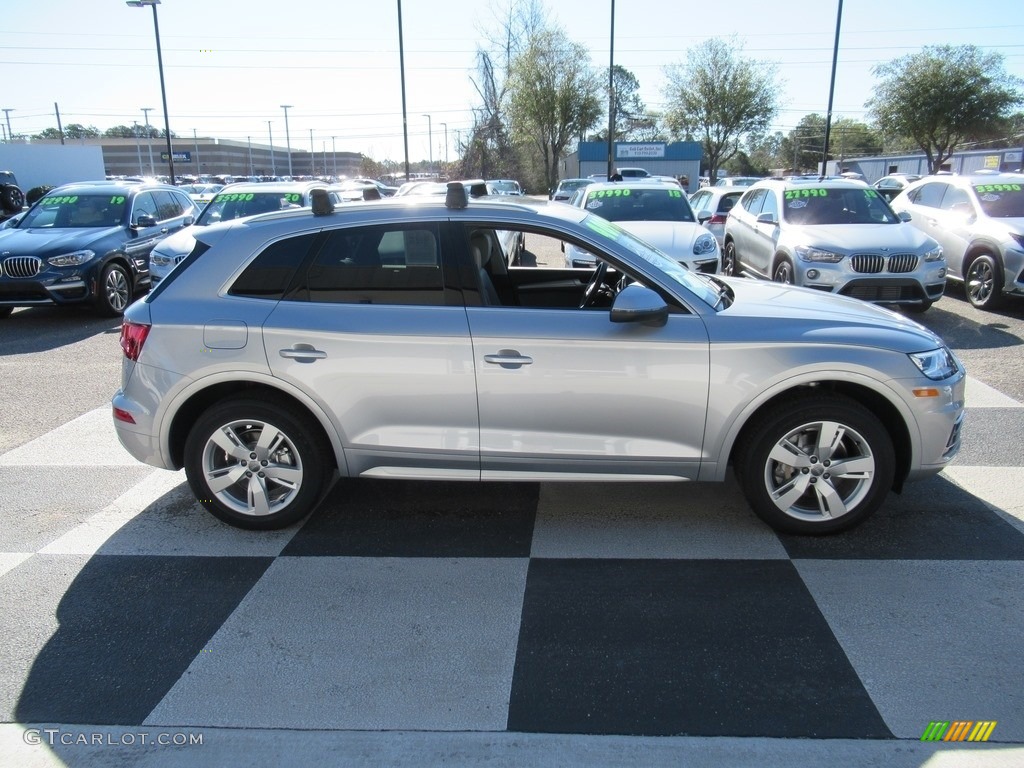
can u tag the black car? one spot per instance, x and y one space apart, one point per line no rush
88 243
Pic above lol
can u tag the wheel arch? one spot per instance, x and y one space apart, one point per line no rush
975 249
892 418
198 400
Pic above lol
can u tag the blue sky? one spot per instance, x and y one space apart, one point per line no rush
230 64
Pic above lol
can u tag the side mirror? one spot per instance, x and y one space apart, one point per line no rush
766 218
704 217
189 221
904 215
638 304
144 221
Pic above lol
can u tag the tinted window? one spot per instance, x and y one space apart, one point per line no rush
144 205
167 206
956 199
930 194
377 265
752 201
771 205
269 274
727 202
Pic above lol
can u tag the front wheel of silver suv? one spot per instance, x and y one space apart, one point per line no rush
817 465
257 465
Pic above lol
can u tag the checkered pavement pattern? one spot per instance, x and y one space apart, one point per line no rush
641 610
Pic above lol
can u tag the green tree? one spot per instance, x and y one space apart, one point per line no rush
554 97
942 96
49 133
123 132
631 118
805 144
718 98
79 131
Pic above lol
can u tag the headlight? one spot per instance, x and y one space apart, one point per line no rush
160 261
75 259
1018 238
935 255
704 244
936 364
816 254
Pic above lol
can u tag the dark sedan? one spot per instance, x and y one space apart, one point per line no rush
88 243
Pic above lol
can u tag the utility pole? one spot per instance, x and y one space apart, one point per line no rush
60 128
195 140
138 149
149 140
273 164
7 114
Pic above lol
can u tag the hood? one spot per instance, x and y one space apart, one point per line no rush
850 238
46 242
675 238
776 312
180 243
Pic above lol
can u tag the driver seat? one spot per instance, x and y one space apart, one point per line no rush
480 247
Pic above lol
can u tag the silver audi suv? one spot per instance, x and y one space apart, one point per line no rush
392 339
833 235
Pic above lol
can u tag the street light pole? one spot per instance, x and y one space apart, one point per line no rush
149 139
287 137
138 147
445 147
195 140
273 163
312 155
163 89
430 149
334 158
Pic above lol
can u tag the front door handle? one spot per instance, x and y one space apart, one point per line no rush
304 353
508 358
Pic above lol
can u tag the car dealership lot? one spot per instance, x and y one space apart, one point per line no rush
471 618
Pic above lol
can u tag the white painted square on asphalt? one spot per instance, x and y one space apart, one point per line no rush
930 640
361 643
650 520
999 487
88 441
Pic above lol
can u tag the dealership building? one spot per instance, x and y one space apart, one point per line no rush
658 158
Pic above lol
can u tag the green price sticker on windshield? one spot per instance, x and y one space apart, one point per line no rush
235 197
870 193
675 193
293 197
117 199
60 200
980 188
793 194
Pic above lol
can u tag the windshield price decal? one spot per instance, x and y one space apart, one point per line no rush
60 200
117 199
793 194
611 193
293 197
235 197
997 188
870 193
675 193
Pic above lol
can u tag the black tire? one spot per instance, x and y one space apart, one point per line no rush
292 471
983 282
729 263
113 291
5 312
783 272
805 487
12 199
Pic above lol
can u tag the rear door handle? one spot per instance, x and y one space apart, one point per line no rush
508 358
304 353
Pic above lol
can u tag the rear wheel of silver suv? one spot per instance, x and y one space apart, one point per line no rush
984 282
256 465
818 465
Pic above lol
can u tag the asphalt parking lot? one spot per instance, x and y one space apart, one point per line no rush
500 624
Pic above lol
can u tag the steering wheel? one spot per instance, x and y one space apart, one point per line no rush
592 291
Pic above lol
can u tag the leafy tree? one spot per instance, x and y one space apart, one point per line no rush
849 138
79 131
942 96
718 98
123 132
49 133
554 96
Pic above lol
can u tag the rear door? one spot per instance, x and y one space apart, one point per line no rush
374 331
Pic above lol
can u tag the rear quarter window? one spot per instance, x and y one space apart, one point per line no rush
269 274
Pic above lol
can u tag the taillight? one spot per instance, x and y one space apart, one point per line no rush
718 218
133 336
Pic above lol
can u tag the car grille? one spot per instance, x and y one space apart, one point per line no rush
22 266
882 293
873 263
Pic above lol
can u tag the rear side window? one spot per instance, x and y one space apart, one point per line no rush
377 265
269 274
752 201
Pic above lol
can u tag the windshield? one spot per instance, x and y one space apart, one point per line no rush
640 204
572 186
510 187
235 205
819 205
1001 201
707 292
76 211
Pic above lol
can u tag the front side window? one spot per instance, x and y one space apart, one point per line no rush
752 201
929 195
145 205
377 265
